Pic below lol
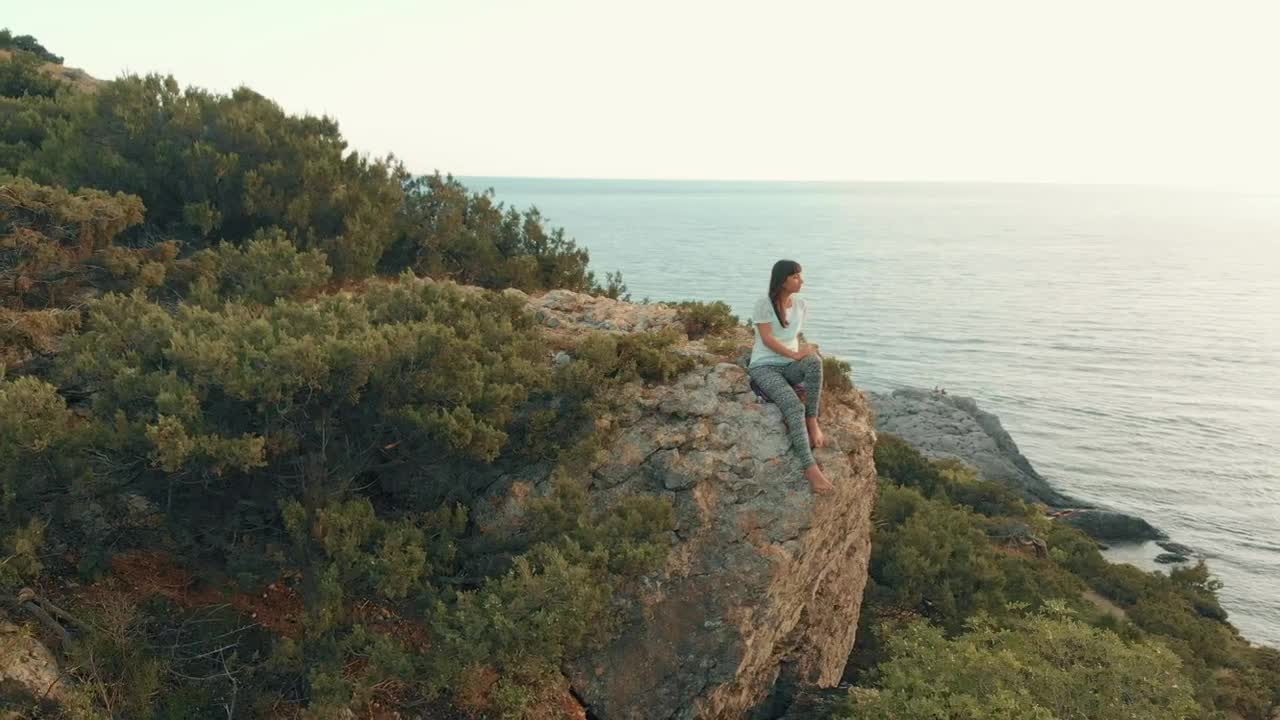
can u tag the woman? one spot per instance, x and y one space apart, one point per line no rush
778 361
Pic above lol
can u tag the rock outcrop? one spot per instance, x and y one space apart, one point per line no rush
948 426
764 582
1110 525
28 667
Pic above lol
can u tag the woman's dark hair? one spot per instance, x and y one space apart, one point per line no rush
782 270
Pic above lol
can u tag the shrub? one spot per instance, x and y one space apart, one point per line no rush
613 288
651 356
47 232
701 319
836 375
268 267
210 166
903 464
27 43
444 230
21 76
1048 666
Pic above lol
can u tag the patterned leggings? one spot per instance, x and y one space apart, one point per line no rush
776 381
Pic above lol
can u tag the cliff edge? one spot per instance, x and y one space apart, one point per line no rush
762 588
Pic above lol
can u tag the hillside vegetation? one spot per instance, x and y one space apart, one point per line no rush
252 379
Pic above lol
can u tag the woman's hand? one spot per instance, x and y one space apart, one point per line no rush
804 352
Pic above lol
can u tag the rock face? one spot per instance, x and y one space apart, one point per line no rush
764 581
28 664
948 426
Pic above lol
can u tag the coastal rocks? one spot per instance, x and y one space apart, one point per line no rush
762 588
764 579
1167 558
1110 525
1176 548
948 426
572 310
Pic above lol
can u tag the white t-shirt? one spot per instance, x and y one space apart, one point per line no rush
763 313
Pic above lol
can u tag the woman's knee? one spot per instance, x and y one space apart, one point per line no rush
812 365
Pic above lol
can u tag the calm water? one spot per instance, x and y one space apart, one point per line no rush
1129 339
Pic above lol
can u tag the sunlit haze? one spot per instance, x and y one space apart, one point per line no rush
1121 91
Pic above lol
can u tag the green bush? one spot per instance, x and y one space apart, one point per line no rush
46 235
652 356
211 166
946 547
934 558
21 76
701 319
904 465
26 43
837 375
268 267
1047 666
446 231
39 445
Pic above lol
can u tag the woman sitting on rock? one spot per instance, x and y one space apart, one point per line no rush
778 361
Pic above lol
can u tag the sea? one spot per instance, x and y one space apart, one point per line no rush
1127 337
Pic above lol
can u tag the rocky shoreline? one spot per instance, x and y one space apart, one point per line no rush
941 425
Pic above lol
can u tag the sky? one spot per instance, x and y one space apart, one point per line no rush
1120 91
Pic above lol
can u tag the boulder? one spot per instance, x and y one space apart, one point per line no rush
1168 558
1111 525
949 426
28 667
764 581
1176 548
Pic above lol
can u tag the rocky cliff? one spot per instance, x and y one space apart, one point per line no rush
762 589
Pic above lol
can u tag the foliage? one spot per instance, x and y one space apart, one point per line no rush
652 357
613 288
45 232
26 43
447 231
114 667
837 375
185 278
268 267
21 75
701 319
935 558
404 376
941 551
37 433
209 166
1046 666
554 601
904 465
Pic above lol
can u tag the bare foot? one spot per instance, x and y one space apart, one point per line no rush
817 438
818 482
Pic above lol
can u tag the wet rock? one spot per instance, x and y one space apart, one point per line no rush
1110 525
1176 548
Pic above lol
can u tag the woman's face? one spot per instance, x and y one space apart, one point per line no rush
793 282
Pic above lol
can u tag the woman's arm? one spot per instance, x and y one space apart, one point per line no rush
766 336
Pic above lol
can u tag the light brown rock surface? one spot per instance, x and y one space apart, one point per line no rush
764 578
26 662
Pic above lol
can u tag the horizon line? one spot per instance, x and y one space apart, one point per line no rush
792 181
